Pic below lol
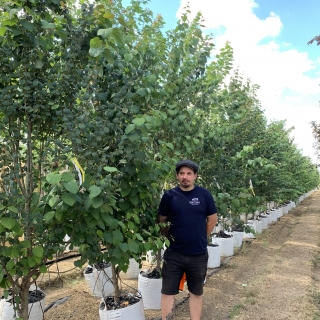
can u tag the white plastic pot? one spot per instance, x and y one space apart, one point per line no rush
150 290
35 309
226 246
91 282
237 238
214 256
103 280
131 312
264 221
274 215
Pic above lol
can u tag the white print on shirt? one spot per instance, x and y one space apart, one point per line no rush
194 202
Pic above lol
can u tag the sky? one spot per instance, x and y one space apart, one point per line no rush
269 39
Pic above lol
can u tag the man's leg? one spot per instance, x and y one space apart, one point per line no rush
195 305
167 302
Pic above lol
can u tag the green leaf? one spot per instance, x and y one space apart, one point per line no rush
38 64
68 198
66 176
49 216
133 246
128 57
96 47
139 121
8 223
105 33
53 201
97 202
129 128
124 247
108 55
53 178
10 264
15 252
13 209
134 200
38 251
71 186
2 31
170 145
1 206
94 191
25 244
118 36
110 169
27 25
48 25
108 15
31 262
117 234
35 198
43 269
125 192
139 237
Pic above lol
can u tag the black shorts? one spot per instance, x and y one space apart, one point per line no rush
175 264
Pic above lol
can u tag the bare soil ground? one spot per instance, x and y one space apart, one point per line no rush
275 276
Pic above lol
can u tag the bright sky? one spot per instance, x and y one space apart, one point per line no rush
269 38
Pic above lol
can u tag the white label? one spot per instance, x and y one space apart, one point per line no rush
144 281
115 315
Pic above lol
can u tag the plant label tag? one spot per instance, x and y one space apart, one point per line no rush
115 315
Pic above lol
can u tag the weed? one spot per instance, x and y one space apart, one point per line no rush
315 298
235 311
230 266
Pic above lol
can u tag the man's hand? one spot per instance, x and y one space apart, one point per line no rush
211 222
164 226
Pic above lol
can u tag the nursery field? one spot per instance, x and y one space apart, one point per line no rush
275 276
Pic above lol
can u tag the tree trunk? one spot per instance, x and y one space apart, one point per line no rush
23 311
115 283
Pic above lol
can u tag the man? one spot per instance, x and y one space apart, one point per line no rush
191 211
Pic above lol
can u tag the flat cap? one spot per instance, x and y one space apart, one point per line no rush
187 163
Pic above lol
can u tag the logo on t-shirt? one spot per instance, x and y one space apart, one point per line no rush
194 202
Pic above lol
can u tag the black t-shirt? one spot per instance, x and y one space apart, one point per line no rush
187 212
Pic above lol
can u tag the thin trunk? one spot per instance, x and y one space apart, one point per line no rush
23 308
115 283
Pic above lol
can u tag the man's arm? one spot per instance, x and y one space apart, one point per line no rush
164 230
211 222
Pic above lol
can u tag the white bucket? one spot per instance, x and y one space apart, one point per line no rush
256 225
226 246
269 218
285 209
91 282
103 279
237 238
36 309
214 256
134 311
280 212
264 221
132 272
273 214
150 290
